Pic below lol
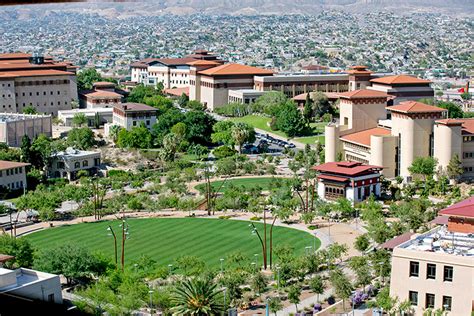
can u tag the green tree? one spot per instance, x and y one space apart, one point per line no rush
270 102
360 266
26 154
294 293
137 137
342 285
424 166
454 110
114 132
87 77
362 242
141 92
190 265
308 109
79 119
241 133
20 248
199 127
290 120
223 152
222 133
316 284
195 105
258 283
81 138
183 100
96 297
274 304
454 167
160 102
73 261
197 296
321 104
30 109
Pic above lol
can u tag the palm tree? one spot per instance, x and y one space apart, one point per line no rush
197 297
113 132
240 133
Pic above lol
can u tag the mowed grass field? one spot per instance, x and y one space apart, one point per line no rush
247 183
165 239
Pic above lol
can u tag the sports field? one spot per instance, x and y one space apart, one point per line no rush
165 239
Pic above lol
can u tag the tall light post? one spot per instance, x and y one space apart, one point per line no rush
151 301
170 266
307 250
222 264
255 255
125 234
112 233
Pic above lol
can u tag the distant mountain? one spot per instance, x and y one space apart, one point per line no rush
246 7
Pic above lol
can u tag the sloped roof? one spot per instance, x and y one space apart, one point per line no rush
235 69
461 209
399 79
363 94
394 242
177 91
201 62
346 168
36 73
102 94
363 137
11 164
414 107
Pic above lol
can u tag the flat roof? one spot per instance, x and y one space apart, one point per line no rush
75 153
13 117
131 107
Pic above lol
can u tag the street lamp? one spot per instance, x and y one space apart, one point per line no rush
307 250
222 264
125 234
254 266
151 301
169 268
112 233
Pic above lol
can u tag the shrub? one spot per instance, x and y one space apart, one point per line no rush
224 152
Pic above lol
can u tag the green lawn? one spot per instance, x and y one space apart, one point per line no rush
261 122
165 239
248 183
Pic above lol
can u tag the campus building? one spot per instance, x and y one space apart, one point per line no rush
351 180
371 132
95 116
171 72
403 87
66 164
27 80
13 126
435 270
210 83
102 95
128 115
31 284
12 175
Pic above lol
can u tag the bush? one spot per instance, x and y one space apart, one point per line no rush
224 152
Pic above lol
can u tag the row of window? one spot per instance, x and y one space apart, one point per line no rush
430 300
77 164
7 84
37 104
431 271
14 185
42 82
468 154
135 123
10 172
468 169
468 139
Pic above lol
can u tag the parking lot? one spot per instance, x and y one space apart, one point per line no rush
265 143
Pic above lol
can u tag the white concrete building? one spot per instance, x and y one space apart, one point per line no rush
13 126
66 164
31 284
245 95
13 175
100 115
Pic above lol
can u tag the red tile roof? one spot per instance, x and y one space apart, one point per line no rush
135 107
363 137
394 242
400 79
463 209
201 62
346 168
37 73
363 94
177 91
414 107
235 69
467 124
101 94
15 55
11 164
175 61
359 70
333 178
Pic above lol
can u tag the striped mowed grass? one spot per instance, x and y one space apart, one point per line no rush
165 239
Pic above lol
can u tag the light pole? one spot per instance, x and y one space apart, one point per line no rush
222 264
254 265
125 233
112 233
278 278
151 301
169 268
307 250
255 255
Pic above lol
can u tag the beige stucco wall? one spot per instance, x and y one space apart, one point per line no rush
331 147
361 116
461 289
447 142
16 178
383 152
415 139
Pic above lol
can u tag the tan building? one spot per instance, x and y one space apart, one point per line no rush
403 87
128 115
435 270
14 126
103 95
210 83
172 72
27 80
12 175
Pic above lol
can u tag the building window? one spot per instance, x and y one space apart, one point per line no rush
51 298
448 274
85 163
77 165
60 165
431 271
447 303
430 300
413 298
414 268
